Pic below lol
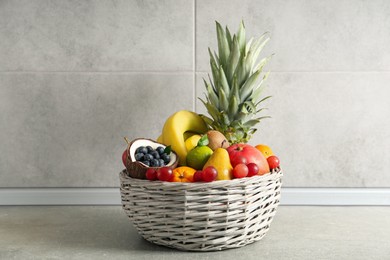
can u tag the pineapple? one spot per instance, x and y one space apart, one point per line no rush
234 93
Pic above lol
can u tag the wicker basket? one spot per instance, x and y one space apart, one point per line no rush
202 216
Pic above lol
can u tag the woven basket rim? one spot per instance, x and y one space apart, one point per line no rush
273 174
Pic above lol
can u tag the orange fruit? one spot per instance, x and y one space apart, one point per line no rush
265 150
183 174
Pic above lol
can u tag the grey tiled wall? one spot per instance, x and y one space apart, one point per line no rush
77 76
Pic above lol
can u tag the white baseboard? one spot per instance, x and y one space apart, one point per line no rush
111 196
336 196
60 196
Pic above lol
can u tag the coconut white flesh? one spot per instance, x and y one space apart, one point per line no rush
154 145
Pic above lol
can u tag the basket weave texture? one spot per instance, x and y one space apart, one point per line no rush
202 216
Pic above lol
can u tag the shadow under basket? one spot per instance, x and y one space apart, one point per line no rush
202 216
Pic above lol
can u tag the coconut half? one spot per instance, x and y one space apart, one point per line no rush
137 169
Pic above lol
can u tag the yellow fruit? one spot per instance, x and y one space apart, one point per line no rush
198 156
188 134
176 126
192 142
160 139
220 160
265 150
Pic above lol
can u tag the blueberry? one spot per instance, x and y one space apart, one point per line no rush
166 158
155 163
141 149
160 150
162 163
149 148
148 157
155 155
139 156
147 163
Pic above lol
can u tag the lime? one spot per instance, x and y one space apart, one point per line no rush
191 142
198 157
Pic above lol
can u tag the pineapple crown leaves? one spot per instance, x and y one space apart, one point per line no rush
234 91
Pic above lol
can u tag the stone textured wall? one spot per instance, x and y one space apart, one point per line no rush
77 76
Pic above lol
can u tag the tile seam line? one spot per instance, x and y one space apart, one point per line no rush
194 55
185 71
287 187
99 72
178 72
319 71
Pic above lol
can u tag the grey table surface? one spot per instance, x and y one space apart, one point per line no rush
105 232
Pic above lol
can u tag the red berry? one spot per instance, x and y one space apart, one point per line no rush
209 174
198 176
165 174
240 171
253 169
124 157
151 174
273 162
239 159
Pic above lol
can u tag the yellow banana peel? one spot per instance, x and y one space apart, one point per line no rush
175 129
160 139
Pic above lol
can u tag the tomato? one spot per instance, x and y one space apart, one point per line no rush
209 174
240 171
253 169
273 162
164 174
151 174
198 176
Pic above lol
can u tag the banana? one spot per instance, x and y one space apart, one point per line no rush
188 134
175 128
160 139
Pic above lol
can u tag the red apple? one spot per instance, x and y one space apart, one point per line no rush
237 160
251 154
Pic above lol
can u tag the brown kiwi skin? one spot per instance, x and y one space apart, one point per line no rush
217 140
